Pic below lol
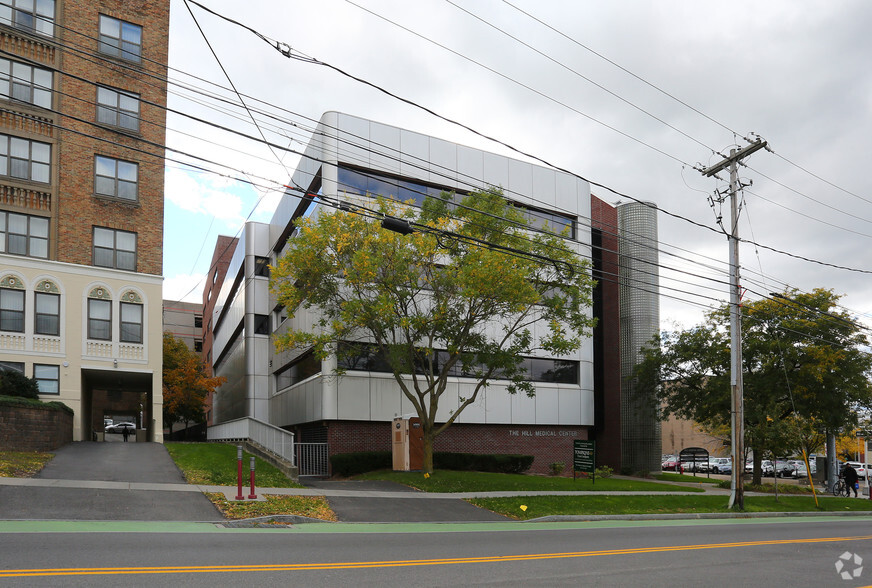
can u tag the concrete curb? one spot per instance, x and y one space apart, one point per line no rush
694 516
279 521
276 521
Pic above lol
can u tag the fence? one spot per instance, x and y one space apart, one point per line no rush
312 459
270 437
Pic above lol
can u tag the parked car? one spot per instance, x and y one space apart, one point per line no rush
784 468
721 465
799 471
766 467
694 466
669 464
119 428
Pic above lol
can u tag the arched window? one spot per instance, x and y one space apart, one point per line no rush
131 317
99 314
11 304
47 304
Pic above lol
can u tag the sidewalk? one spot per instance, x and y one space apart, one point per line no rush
231 491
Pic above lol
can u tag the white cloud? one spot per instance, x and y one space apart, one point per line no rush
206 194
184 287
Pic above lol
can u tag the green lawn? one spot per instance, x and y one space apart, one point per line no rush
454 481
540 506
668 477
216 464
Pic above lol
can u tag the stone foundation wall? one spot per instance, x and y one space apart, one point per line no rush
25 428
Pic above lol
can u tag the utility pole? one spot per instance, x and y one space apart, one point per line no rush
737 411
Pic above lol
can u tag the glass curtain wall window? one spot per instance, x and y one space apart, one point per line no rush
120 39
25 83
116 178
21 234
131 322
374 184
118 108
48 378
26 160
11 310
261 266
32 16
47 319
99 319
114 248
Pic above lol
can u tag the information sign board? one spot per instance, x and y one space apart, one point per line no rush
583 456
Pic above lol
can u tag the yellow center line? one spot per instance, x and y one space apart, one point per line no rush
404 563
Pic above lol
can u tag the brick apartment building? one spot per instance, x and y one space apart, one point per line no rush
82 134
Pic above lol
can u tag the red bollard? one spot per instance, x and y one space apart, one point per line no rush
252 495
239 495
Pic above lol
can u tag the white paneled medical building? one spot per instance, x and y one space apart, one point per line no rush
349 158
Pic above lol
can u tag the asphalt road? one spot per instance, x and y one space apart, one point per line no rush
797 552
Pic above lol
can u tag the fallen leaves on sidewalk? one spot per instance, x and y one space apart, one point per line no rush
22 464
314 507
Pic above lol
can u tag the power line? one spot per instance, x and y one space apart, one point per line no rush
209 123
285 50
569 69
676 99
271 147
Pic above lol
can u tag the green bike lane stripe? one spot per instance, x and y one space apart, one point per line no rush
22 527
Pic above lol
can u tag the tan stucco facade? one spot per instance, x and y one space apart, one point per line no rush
678 434
95 376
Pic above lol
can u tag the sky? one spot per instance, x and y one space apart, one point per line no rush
631 95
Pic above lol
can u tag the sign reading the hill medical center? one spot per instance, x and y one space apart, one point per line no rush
583 457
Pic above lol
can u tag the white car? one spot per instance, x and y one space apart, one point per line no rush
119 428
719 465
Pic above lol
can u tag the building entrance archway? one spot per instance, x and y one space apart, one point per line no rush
110 397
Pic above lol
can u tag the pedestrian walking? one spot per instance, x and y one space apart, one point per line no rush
852 480
125 432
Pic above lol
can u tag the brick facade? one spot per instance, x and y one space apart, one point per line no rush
547 444
221 257
79 139
607 334
70 127
34 429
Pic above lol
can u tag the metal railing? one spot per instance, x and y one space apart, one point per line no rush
312 459
271 438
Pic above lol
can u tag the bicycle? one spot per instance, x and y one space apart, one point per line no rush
841 489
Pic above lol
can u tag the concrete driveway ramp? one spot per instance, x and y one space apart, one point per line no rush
105 468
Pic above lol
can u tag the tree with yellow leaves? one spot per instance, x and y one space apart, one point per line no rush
456 293
185 384
805 366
